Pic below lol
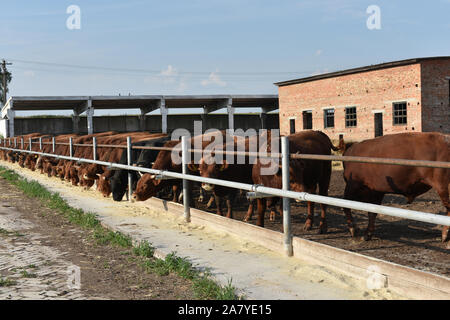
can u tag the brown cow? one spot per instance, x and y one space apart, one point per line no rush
305 175
370 182
208 168
148 186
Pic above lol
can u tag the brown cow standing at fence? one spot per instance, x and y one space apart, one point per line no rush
370 182
305 175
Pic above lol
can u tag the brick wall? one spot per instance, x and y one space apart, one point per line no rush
435 95
372 91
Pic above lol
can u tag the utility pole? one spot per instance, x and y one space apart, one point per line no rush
5 80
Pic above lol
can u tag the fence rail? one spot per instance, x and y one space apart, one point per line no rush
256 190
370 160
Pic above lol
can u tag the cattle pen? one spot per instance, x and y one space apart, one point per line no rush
254 191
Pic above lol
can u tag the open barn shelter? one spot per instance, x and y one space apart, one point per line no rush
362 103
84 106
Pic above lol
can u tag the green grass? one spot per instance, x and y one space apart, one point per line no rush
203 285
4 232
27 274
7 282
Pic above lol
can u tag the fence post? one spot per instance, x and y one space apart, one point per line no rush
94 148
40 143
30 144
286 201
15 143
130 191
9 142
21 140
185 161
71 147
53 144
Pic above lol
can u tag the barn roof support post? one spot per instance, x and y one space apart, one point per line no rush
90 115
53 144
21 141
185 155
76 122
11 115
263 118
286 201
230 110
40 143
130 190
15 143
142 121
30 143
164 113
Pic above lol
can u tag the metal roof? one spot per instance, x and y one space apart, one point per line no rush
30 103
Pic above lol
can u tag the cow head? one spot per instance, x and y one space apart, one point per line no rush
209 169
103 184
147 186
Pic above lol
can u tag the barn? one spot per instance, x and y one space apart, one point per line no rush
362 103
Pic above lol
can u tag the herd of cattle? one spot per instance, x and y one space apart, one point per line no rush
364 182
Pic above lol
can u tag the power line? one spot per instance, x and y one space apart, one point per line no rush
159 72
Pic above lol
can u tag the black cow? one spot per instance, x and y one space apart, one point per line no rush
141 158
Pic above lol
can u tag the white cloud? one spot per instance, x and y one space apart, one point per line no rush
213 79
169 72
319 52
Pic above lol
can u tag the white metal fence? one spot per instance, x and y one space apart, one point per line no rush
254 190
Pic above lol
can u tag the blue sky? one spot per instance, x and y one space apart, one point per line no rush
207 47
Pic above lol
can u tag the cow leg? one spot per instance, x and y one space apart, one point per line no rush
210 202
261 209
229 207
250 210
444 195
310 218
175 193
273 208
218 204
371 227
375 198
352 228
201 197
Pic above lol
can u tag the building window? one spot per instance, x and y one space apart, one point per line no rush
350 117
307 120
328 118
291 126
399 113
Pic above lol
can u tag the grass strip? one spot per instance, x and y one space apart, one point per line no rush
204 286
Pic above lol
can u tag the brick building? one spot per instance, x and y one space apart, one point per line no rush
362 103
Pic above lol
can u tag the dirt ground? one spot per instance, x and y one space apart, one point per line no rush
406 242
106 272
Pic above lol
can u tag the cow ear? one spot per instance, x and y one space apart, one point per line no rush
193 167
223 166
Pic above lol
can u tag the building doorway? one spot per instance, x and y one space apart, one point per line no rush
291 126
307 120
378 124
